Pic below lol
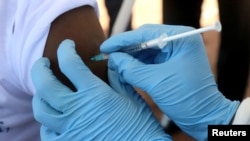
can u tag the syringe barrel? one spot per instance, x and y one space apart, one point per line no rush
131 49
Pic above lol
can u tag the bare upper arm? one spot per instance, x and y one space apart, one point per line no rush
82 26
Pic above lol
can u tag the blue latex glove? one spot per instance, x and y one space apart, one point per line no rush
178 78
94 112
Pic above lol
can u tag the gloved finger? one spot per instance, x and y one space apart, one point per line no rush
121 88
73 67
130 69
47 85
47 115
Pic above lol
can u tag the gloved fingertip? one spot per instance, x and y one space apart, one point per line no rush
68 43
66 51
65 46
46 62
41 62
107 47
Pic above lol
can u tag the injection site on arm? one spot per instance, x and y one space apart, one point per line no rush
161 41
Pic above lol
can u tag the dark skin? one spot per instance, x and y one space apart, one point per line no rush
81 25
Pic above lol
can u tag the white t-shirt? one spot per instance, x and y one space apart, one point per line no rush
24 27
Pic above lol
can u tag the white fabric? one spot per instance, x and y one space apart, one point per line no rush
242 116
24 26
164 121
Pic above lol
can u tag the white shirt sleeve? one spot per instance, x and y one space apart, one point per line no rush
24 27
30 31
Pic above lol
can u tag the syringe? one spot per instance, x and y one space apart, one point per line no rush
161 41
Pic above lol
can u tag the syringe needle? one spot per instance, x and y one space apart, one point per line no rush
161 41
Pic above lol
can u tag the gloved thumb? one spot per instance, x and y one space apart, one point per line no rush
132 70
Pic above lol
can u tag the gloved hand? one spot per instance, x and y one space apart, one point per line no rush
94 112
178 78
